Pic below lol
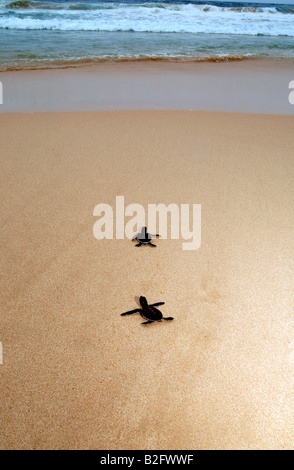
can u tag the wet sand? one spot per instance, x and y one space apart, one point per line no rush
77 375
249 86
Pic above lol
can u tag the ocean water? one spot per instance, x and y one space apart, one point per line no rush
64 33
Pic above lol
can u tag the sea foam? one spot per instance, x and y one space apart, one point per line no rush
166 18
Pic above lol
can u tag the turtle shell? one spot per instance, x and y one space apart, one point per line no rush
142 239
151 313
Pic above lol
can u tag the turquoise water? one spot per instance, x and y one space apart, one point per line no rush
44 34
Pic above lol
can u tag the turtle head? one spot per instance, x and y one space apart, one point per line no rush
143 301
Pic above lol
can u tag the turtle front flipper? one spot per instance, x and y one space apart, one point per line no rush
139 244
146 322
151 244
157 304
131 312
168 318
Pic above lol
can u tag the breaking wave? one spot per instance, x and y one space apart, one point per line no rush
147 17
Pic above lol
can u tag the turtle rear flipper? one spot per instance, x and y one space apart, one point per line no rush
146 322
168 318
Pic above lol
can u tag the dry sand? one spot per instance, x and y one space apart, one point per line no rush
75 373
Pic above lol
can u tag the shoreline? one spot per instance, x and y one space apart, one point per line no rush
90 62
257 86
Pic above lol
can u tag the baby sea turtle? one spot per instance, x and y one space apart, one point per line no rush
144 238
149 312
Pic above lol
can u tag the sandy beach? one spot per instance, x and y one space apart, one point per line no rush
248 86
77 375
